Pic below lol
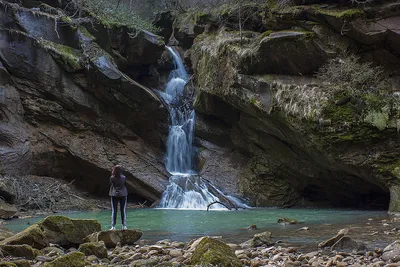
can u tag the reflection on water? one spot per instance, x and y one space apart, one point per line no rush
183 225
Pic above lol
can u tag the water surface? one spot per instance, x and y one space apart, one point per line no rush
183 225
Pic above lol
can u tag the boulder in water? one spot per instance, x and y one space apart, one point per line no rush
94 248
112 237
392 252
286 221
75 259
210 251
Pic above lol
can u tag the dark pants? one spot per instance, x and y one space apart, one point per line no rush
114 207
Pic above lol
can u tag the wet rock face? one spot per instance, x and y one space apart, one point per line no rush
68 111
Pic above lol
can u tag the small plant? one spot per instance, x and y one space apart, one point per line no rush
349 73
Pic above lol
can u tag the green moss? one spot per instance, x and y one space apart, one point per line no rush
66 19
7 264
68 57
378 118
341 14
214 252
33 236
23 251
74 259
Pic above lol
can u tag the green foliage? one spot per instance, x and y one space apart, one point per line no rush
118 13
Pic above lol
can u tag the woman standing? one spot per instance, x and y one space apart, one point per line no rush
119 194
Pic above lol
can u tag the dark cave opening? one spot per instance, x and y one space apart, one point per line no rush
373 199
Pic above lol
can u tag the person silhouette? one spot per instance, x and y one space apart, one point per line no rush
119 194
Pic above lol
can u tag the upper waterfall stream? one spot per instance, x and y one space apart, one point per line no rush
186 190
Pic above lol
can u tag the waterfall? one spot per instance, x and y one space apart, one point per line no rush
186 189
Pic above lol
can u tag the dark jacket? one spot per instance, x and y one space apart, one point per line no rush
117 186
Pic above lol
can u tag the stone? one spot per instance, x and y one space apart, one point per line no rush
97 249
392 252
112 237
7 211
214 252
286 221
175 253
331 241
347 243
261 239
23 251
76 259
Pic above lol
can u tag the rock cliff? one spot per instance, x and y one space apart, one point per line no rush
68 107
270 131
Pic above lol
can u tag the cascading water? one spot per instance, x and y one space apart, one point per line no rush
186 189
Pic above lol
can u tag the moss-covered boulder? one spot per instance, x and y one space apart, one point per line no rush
94 248
74 259
59 230
32 236
214 252
112 237
62 230
23 251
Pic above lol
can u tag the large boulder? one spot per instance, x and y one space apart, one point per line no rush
54 229
210 251
32 236
112 237
63 231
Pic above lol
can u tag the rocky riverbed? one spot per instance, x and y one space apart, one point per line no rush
60 241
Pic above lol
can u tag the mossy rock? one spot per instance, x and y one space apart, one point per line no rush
7 264
5 233
23 251
214 252
32 236
74 259
94 248
62 230
22 263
